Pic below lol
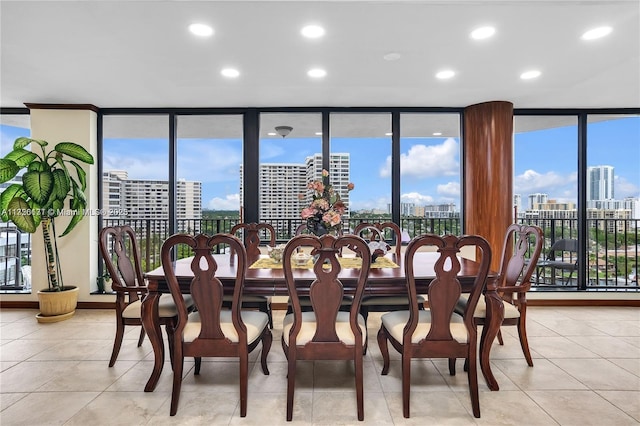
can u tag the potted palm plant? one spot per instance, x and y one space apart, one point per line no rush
53 184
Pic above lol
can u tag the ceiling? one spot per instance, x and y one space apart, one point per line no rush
122 54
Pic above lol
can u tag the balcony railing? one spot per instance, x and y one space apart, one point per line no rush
611 262
613 247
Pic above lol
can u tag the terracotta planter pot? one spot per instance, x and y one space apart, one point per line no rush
57 305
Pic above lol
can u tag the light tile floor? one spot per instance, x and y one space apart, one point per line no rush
587 372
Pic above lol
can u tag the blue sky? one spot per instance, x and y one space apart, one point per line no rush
545 161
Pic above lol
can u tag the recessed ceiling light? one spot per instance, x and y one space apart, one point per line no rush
528 75
445 74
230 72
388 134
271 134
318 133
596 33
393 56
316 73
437 133
312 31
482 33
201 30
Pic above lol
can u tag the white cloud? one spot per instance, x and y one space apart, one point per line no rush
416 198
451 189
147 167
229 202
623 188
427 161
531 182
224 160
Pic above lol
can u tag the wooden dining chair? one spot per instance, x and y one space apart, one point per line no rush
325 332
436 332
252 240
212 331
514 281
376 231
119 250
302 229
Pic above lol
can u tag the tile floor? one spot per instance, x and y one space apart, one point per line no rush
587 372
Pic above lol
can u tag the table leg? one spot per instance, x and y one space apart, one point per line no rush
493 321
151 324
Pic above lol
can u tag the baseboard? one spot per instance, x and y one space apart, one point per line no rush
282 306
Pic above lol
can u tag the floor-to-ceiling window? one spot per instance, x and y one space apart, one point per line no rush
613 200
360 153
546 185
290 143
135 177
430 199
209 160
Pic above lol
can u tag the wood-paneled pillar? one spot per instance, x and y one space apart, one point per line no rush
488 172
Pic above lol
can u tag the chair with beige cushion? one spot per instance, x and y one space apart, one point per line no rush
375 232
325 332
436 332
520 253
252 240
119 250
212 331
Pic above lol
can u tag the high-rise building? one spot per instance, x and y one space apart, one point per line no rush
517 203
280 186
148 199
600 183
283 186
536 199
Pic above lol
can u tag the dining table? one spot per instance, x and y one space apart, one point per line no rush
270 281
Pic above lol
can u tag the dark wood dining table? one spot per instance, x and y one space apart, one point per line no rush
271 282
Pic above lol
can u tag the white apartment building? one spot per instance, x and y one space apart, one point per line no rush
600 183
536 199
148 199
282 185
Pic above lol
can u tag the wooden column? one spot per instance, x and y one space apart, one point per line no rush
488 172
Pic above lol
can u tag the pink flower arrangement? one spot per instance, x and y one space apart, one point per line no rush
325 212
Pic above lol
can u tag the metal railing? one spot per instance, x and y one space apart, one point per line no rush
15 254
610 264
613 244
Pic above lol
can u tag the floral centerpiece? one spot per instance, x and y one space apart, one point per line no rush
324 214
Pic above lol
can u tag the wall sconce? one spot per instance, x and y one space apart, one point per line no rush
284 130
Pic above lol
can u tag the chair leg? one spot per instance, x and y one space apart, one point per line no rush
524 341
406 384
500 341
244 381
170 332
141 338
291 383
117 343
178 365
384 349
198 364
473 382
452 366
359 385
267 338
